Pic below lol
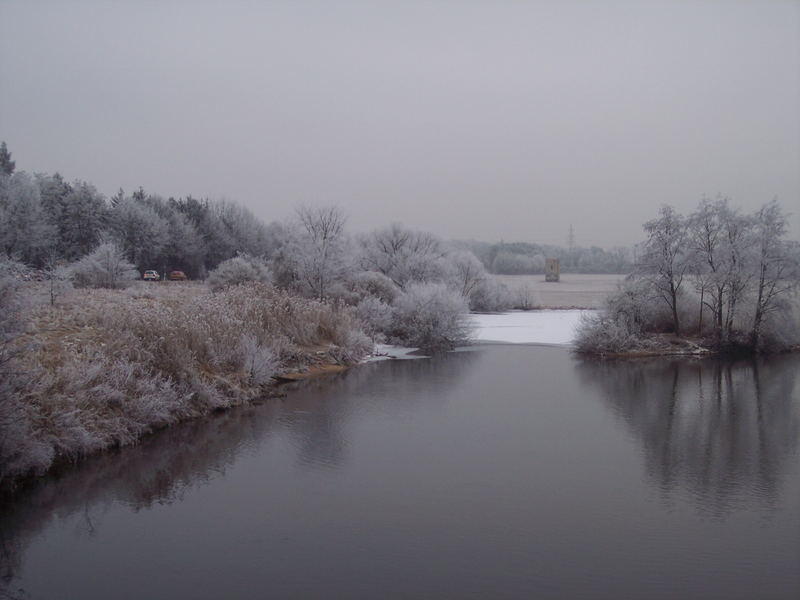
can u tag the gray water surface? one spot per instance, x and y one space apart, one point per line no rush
504 472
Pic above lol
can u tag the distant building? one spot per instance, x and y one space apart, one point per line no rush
551 270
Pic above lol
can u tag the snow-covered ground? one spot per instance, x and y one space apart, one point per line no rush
531 327
387 351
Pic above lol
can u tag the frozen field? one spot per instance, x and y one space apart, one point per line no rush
573 291
531 327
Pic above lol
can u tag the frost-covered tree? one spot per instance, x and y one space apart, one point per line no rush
776 263
664 260
25 234
464 272
246 233
707 240
53 192
317 253
739 239
82 221
217 242
105 267
403 255
140 232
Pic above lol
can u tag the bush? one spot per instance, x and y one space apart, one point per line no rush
366 284
601 333
490 296
376 317
237 270
106 267
430 316
620 326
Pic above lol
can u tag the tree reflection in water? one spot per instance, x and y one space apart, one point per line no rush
722 430
163 467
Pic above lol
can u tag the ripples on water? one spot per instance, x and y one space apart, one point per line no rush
506 472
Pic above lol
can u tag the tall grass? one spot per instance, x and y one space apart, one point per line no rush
107 367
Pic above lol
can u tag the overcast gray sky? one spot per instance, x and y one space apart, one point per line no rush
471 119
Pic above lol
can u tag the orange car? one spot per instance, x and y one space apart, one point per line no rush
177 276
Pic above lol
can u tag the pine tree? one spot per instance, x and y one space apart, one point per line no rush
6 164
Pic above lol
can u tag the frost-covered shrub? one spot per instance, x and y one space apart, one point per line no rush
237 270
376 317
601 333
430 316
525 298
366 284
490 296
59 281
258 360
106 267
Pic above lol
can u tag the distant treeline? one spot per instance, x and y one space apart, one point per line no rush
522 258
44 216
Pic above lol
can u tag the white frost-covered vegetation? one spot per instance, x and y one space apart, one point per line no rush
105 267
104 363
105 367
239 269
715 280
430 316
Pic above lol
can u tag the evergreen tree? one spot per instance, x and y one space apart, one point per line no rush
6 164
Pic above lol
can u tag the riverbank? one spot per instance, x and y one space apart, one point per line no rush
667 344
103 368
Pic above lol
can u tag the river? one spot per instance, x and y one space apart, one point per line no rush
499 472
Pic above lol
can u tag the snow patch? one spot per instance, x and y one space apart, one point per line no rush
528 327
387 351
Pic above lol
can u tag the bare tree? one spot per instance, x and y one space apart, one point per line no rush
320 248
707 242
465 271
738 239
777 265
57 276
665 261
403 255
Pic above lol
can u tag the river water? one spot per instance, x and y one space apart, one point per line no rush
499 472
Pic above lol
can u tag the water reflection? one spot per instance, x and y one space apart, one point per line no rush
722 430
314 415
498 473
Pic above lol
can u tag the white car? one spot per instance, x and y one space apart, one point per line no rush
151 276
